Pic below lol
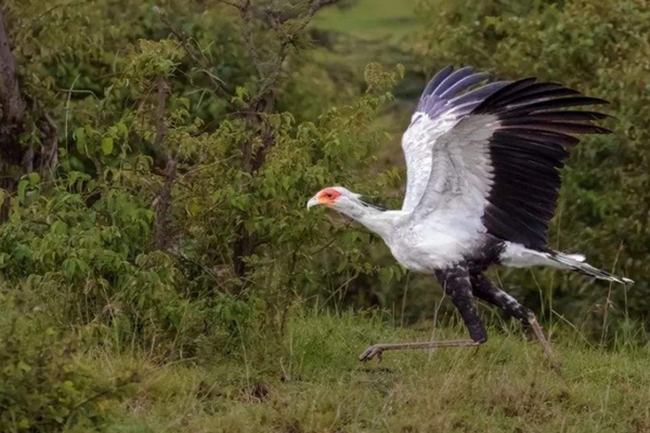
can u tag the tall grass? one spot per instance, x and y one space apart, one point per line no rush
314 383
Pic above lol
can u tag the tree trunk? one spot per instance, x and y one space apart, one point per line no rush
13 105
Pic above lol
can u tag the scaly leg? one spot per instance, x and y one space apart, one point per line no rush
378 349
485 290
539 333
456 283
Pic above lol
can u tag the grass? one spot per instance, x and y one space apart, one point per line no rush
313 383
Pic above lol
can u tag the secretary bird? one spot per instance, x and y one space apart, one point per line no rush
483 160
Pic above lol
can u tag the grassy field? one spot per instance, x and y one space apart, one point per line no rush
313 383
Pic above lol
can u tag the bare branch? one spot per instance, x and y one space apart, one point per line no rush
162 203
161 101
50 146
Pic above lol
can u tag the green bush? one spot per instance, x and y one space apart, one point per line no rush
43 385
175 219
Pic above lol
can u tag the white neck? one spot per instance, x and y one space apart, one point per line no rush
375 220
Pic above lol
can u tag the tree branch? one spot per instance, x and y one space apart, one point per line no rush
162 203
269 66
49 152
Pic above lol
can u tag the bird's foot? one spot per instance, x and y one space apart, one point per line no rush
537 330
373 351
377 349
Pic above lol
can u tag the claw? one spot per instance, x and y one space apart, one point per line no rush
371 352
376 350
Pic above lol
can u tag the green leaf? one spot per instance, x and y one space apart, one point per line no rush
385 276
107 145
122 129
22 189
79 135
34 178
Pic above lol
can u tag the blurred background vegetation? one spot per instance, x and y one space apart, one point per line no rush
157 156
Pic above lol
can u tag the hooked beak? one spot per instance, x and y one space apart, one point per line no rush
313 202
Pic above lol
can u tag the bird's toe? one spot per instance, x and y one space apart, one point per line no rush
371 352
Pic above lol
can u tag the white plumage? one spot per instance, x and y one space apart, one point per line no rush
483 165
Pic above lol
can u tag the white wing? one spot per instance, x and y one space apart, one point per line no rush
493 153
438 111
460 179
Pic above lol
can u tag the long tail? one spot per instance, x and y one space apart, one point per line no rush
577 263
516 255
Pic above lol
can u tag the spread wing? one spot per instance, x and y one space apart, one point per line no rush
494 152
444 101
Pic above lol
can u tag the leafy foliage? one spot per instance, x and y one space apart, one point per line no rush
43 387
176 215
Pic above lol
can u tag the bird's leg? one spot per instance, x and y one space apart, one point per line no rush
539 333
456 283
376 350
485 290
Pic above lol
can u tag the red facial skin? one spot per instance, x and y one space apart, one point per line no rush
328 196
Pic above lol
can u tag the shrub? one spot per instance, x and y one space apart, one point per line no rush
43 386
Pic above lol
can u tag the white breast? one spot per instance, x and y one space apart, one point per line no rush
433 243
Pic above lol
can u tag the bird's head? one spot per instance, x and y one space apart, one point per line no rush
350 204
335 197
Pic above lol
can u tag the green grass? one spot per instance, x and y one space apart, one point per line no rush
370 19
313 383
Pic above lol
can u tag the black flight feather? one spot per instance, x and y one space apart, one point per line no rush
526 152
